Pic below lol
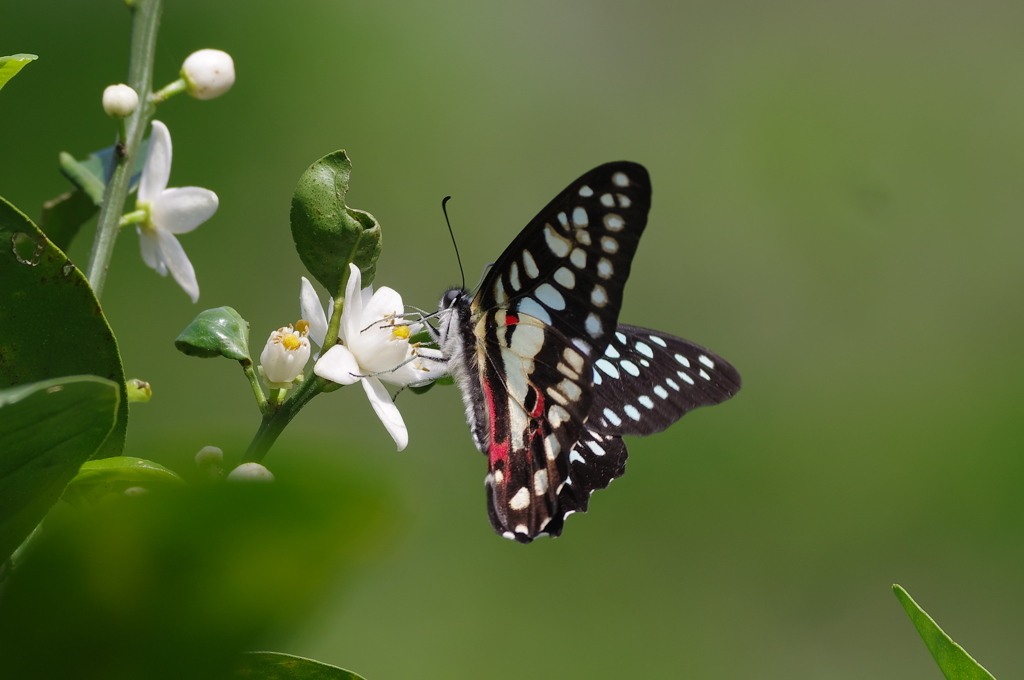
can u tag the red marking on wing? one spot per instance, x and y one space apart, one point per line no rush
538 409
511 319
497 451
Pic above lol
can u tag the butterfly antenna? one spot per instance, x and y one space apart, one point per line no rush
444 209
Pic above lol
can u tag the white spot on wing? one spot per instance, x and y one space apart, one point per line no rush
707 362
583 236
631 411
683 360
582 345
596 448
563 220
597 377
529 265
527 340
578 258
611 352
612 417
645 350
509 535
657 341
575 457
573 358
630 367
661 391
522 528
530 307
609 245
565 278
586 191
613 222
608 367
547 294
570 389
607 200
593 325
551 447
557 415
646 401
598 296
540 482
499 292
704 375
685 377
579 217
620 179
513 276
604 268
624 201
558 244
499 476
520 501
672 383
620 337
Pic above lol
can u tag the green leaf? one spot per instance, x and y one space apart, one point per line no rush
64 216
328 234
47 430
275 666
178 583
91 175
99 478
51 324
9 66
216 332
423 389
953 661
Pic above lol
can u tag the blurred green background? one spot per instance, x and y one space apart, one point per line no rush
837 210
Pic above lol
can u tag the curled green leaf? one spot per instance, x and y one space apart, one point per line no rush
953 661
328 234
98 478
275 666
216 332
9 66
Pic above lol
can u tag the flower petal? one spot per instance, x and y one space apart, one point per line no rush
157 169
419 370
338 365
313 312
182 209
386 411
177 262
384 303
149 244
352 314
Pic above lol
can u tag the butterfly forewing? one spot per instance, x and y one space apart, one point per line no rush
546 311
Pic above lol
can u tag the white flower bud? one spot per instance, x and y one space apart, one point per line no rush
120 101
208 73
136 491
285 354
209 456
250 472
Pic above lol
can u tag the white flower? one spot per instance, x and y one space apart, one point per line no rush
208 73
285 355
171 211
250 472
209 456
375 348
120 100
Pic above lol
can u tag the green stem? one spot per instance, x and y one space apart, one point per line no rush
145 23
276 420
170 90
250 373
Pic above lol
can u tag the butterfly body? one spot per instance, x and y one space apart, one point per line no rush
549 379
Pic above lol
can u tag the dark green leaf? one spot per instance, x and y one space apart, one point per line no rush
423 338
9 66
47 430
64 216
85 177
953 661
216 332
423 389
328 234
51 324
274 666
98 478
177 583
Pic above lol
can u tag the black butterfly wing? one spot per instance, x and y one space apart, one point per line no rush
645 381
543 316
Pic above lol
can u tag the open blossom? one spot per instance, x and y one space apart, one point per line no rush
170 211
285 355
375 347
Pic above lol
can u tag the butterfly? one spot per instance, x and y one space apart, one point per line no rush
550 380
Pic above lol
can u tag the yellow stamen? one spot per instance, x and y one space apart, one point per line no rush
401 332
302 326
291 342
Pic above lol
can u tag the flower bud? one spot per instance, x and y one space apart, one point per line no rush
120 101
250 472
209 456
208 73
285 355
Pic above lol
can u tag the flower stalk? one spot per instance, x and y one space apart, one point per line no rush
145 24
